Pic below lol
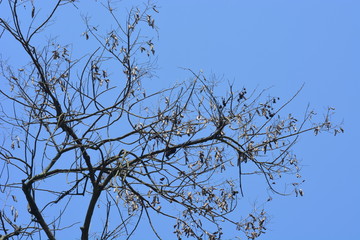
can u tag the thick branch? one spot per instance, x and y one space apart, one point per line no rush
34 210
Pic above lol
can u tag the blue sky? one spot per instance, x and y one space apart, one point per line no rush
283 44
279 45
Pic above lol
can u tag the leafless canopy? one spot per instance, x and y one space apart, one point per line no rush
81 135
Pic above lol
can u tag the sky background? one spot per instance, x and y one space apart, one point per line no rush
283 44
279 45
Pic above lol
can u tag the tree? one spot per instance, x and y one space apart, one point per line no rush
83 133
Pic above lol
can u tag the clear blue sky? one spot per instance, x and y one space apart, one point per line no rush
283 44
279 44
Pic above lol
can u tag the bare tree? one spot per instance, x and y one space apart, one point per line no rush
81 135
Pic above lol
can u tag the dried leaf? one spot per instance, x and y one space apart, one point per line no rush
33 12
